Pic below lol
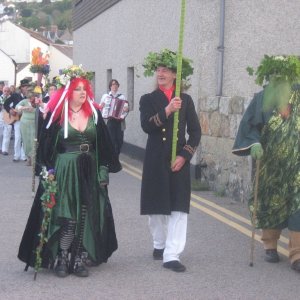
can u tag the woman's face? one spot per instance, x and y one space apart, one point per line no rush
79 94
114 87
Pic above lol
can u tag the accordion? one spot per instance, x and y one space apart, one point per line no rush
114 108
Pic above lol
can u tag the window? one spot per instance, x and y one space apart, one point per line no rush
108 77
130 87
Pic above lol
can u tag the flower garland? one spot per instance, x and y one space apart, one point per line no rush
74 71
48 202
39 62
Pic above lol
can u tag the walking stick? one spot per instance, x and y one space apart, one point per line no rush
34 148
178 79
255 204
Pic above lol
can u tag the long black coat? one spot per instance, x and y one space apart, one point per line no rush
164 191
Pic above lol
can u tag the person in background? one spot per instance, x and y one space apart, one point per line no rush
12 89
116 127
5 129
51 90
10 105
1 87
27 107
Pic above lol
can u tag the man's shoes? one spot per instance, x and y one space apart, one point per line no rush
15 160
4 153
272 256
175 266
158 254
296 265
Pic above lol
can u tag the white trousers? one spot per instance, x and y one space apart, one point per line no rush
6 137
1 127
169 233
18 147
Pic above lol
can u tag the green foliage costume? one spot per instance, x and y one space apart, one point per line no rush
273 120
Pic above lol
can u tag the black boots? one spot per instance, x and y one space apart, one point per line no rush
62 267
271 256
158 254
79 268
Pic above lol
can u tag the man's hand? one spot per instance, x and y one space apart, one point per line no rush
178 163
174 105
256 151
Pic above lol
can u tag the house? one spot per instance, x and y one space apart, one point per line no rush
223 38
18 42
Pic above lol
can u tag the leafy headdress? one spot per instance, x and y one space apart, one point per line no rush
279 75
63 81
167 58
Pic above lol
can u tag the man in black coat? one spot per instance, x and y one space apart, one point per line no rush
166 188
10 105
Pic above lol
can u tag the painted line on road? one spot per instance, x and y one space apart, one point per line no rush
234 225
230 213
215 215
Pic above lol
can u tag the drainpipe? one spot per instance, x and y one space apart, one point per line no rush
221 49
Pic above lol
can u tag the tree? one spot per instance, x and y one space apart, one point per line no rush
26 12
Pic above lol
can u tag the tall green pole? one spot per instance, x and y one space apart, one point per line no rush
178 79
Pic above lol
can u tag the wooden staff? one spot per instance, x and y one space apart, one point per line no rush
34 148
178 80
255 204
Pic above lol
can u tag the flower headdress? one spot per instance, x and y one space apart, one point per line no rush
39 62
166 58
74 71
63 81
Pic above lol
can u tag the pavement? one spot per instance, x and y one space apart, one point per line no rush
216 253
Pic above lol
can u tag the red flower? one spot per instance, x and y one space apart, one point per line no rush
52 201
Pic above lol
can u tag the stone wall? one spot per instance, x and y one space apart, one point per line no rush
219 119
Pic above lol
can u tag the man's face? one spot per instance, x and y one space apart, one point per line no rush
24 89
165 77
6 91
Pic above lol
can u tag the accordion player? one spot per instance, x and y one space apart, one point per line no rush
114 107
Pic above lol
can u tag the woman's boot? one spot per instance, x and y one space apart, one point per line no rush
62 267
79 269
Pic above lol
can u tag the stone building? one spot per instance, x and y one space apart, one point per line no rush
222 38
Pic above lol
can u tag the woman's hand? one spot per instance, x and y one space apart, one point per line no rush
173 106
178 163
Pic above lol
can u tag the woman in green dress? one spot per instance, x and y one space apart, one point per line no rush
74 141
27 123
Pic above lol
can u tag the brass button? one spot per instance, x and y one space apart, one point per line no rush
164 129
164 139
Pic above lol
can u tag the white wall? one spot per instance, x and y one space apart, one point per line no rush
7 69
123 35
15 42
58 61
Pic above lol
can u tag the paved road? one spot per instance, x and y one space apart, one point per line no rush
216 254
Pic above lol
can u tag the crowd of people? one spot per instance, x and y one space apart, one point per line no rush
17 118
71 224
